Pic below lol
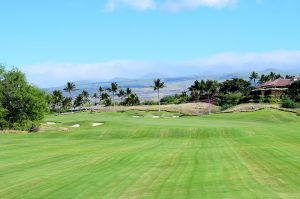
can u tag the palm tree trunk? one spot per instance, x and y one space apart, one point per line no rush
114 101
158 100
209 105
70 93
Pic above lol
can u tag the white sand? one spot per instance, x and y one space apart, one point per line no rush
136 116
155 116
175 116
97 124
50 123
76 126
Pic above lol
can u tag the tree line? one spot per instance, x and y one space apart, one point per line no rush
225 94
104 96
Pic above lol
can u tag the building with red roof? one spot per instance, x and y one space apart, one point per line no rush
278 83
275 88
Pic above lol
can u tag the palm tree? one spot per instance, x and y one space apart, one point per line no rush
128 92
272 76
57 100
105 98
113 89
70 87
79 101
86 96
158 84
253 77
197 89
211 87
121 94
100 90
95 95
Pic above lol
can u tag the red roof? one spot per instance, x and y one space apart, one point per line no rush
277 83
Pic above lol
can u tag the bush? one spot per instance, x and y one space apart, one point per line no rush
149 102
175 99
294 90
229 100
297 98
271 99
286 102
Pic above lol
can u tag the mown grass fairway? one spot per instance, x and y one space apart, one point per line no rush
239 155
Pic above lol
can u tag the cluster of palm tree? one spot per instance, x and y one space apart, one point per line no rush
206 88
59 102
103 96
263 78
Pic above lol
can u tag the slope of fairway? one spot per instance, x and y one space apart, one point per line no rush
135 155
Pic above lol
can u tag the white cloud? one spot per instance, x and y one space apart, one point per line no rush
49 74
111 5
168 5
177 5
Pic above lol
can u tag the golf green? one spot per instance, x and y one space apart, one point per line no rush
150 155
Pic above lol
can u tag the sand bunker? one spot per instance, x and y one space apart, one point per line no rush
50 123
76 126
97 124
136 116
155 116
175 116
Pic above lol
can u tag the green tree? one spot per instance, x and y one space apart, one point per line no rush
211 87
22 106
67 103
95 96
106 99
121 94
128 92
79 101
100 90
235 85
86 95
158 84
253 77
113 89
197 89
69 88
294 89
132 100
57 100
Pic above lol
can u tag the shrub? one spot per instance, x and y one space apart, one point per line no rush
294 89
175 99
229 100
297 98
286 102
271 99
149 102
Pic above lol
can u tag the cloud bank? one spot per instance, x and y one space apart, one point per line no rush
55 74
167 5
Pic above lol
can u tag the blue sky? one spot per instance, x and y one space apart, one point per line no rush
103 39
